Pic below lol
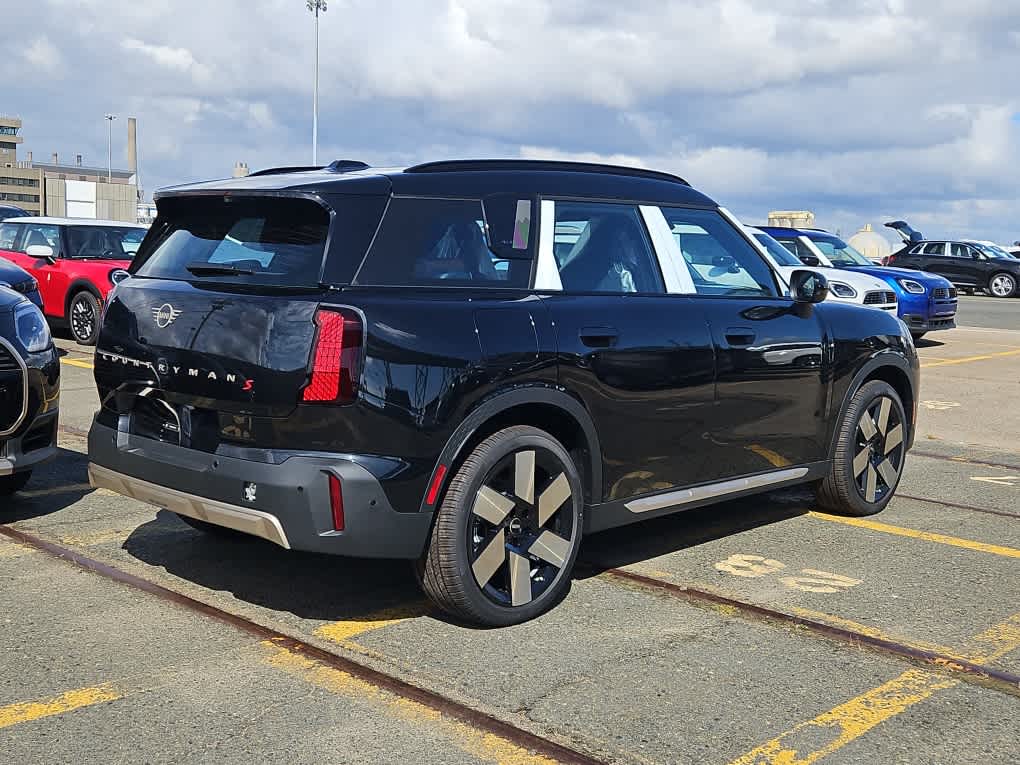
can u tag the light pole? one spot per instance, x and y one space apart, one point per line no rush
316 6
109 147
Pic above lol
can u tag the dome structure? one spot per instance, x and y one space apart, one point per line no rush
870 244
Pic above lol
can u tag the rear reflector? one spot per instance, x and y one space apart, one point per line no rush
335 367
336 502
437 483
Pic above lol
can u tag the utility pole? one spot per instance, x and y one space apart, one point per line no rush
316 6
109 151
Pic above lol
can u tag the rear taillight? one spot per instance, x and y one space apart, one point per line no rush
336 502
336 358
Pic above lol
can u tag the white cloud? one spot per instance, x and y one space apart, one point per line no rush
43 54
176 59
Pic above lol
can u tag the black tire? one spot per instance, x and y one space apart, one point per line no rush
869 455
1002 285
212 528
917 335
9 484
83 314
493 559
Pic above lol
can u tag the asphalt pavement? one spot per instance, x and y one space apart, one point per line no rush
697 638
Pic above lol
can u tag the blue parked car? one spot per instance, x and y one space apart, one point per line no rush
926 301
19 280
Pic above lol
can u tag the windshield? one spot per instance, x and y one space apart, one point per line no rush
111 242
839 252
780 254
992 251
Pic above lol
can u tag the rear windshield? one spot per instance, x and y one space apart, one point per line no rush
261 241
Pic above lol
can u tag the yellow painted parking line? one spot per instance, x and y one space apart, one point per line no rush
343 631
943 539
968 359
485 746
34 710
848 721
77 363
773 458
810 741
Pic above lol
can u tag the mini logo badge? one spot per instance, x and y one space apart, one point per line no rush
165 315
250 490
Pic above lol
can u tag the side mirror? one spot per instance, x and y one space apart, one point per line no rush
808 287
43 251
810 260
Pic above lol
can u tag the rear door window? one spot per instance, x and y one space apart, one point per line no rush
256 241
604 247
9 235
440 242
937 249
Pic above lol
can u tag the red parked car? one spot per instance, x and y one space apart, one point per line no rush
76 262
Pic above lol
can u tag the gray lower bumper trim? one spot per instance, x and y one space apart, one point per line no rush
246 520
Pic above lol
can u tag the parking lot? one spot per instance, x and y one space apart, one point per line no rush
756 631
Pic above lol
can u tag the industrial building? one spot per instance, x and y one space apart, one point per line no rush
59 189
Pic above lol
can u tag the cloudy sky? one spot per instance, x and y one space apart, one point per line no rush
859 110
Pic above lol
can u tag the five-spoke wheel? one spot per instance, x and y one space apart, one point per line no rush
1002 285
870 452
507 531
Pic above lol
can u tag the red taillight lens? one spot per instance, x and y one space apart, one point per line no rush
336 502
335 368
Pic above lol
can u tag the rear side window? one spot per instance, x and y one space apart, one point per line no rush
720 261
255 240
602 247
439 242
8 235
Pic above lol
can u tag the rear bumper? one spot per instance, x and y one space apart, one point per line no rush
291 504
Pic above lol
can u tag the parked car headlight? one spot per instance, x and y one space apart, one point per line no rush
839 289
31 328
914 288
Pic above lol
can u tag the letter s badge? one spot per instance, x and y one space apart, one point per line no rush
248 385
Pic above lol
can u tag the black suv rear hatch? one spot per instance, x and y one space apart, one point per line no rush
217 323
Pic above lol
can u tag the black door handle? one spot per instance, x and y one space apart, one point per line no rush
740 336
598 337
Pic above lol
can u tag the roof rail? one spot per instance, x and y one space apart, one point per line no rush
336 166
282 170
474 165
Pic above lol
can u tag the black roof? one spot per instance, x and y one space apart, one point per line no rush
465 177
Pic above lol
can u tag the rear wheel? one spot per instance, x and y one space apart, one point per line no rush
507 532
12 483
870 452
1002 285
83 317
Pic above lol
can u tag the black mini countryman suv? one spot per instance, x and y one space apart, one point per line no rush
471 364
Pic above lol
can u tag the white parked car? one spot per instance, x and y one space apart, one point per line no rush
844 286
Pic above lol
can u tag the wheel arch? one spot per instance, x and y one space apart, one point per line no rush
890 368
80 285
545 407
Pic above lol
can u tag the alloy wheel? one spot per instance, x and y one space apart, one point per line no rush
521 529
83 319
878 456
1002 285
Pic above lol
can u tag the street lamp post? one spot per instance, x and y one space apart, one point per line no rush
109 148
316 7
